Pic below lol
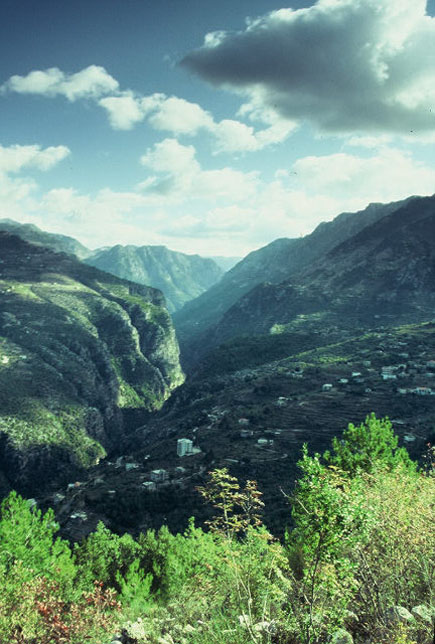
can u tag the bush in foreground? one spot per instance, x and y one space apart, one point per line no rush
359 557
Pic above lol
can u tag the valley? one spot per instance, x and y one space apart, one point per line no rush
307 337
254 421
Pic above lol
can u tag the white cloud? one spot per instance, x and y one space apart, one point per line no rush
388 175
123 111
209 210
234 136
91 82
171 156
344 65
180 176
16 157
179 116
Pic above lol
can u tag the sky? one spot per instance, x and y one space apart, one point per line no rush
211 127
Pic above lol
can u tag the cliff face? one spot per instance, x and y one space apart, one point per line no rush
179 276
76 347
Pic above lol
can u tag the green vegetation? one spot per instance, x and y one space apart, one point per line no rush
359 555
77 346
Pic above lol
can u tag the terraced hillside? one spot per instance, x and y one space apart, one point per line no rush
77 346
254 421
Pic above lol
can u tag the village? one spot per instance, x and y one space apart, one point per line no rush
255 422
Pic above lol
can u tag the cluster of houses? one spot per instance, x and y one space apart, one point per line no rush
394 372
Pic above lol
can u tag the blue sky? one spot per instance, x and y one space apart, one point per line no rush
211 127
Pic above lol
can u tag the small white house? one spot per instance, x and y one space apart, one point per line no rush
159 475
246 433
327 387
150 486
423 391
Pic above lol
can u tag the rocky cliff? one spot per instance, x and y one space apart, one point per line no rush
77 346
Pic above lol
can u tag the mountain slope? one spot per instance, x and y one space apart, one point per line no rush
76 347
33 234
385 272
180 277
273 263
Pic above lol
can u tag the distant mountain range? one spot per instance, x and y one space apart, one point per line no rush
208 316
180 277
77 346
384 273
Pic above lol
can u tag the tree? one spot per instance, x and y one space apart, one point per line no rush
366 446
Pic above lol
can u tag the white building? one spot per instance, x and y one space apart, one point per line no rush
159 475
184 446
327 387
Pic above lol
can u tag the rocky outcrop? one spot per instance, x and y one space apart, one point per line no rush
77 346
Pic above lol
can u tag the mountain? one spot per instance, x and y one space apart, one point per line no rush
33 234
78 349
272 263
180 277
384 273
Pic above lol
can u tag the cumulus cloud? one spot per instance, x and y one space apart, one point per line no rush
91 82
125 109
181 117
180 176
344 65
16 157
388 175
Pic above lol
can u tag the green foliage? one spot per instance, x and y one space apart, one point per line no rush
362 536
106 556
368 446
362 542
42 597
27 538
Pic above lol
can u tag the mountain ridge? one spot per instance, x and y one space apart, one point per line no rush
273 263
179 276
